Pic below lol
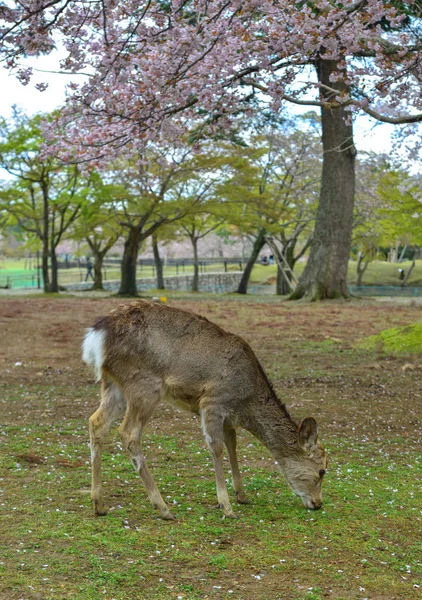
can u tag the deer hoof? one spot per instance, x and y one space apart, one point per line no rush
230 515
99 509
242 499
168 516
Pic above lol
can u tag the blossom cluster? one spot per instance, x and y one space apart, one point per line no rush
151 66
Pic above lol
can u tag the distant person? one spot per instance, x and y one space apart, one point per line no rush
265 261
89 268
401 274
271 259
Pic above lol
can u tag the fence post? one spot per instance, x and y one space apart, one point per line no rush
177 268
240 265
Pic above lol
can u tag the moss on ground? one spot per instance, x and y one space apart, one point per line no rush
397 340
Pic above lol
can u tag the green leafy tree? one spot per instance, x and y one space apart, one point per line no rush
98 224
273 191
44 198
196 226
401 215
161 187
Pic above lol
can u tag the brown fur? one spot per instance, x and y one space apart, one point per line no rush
153 352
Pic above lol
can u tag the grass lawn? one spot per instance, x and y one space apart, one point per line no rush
365 542
377 273
23 273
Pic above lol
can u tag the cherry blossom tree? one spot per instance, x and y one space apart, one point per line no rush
152 66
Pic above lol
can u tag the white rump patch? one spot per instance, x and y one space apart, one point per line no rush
93 350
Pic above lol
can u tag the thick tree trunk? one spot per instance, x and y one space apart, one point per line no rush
158 264
195 281
256 249
128 268
325 274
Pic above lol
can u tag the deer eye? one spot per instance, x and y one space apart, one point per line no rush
322 473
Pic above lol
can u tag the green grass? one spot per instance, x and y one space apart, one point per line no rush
22 272
378 273
397 340
364 543
367 536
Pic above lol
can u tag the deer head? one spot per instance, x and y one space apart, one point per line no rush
304 469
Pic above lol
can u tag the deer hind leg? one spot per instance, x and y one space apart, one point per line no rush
135 420
112 407
212 426
230 441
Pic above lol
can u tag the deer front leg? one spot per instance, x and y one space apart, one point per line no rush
212 426
230 441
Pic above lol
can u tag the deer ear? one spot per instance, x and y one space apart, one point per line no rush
308 433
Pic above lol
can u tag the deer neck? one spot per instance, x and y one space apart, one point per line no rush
269 421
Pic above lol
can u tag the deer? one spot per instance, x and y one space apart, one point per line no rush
146 352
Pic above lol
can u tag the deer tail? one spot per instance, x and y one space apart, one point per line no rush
93 350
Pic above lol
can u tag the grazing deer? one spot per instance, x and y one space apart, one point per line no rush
145 352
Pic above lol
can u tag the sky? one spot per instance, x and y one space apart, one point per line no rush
369 135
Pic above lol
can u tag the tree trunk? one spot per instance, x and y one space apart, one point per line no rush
409 271
98 270
128 268
195 281
44 268
360 270
45 243
54 286
256 249
325 274
282 287
158 264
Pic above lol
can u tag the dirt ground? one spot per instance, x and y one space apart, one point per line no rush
41 339
307 350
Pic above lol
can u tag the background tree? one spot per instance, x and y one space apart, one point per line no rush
273 191
367 229
401 215
196 226
44 197
98 223
156 191
209 60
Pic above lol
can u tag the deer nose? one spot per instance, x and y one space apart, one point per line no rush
316 505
